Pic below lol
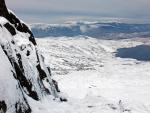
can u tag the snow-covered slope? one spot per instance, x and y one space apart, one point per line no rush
94 78
92 29
23 73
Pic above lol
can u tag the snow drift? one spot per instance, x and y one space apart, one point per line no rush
23 73
95 80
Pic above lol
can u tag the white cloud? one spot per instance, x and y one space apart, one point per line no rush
120 8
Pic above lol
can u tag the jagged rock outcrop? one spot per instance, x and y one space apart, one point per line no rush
3 8
23 73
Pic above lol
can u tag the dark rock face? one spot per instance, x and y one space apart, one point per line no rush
3 107
3 8
20 26
10 29
21 109
15 21
28 75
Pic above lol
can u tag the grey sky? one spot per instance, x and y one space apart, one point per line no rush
50 11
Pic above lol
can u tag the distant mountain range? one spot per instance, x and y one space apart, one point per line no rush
92 29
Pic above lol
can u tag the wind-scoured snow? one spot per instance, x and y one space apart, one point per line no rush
94 78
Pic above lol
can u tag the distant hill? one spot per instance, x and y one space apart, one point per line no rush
92 29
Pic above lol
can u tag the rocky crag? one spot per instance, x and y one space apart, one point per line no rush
23 73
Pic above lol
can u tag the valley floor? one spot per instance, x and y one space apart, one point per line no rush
93 78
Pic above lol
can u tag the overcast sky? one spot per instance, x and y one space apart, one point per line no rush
53 11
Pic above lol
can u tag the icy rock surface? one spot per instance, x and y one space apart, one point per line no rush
23 74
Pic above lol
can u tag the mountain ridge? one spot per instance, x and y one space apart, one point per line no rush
98 30
23 72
